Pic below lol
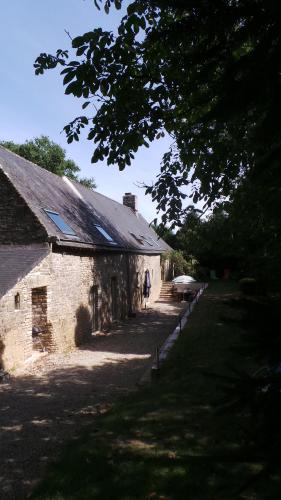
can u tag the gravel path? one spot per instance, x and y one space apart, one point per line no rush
48 401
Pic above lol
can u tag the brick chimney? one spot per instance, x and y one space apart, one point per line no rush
131 201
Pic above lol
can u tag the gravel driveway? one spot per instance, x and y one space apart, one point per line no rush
48 401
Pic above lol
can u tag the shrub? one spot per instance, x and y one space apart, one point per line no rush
248 286
179 263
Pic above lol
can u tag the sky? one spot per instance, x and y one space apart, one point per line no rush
34 105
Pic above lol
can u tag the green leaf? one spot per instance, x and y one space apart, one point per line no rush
68 77
84 120
81 50
91 134
76 42
104 87
72 88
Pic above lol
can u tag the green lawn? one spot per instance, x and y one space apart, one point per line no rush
168 440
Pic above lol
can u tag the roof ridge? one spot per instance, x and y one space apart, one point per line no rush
99 194
33 164
40 188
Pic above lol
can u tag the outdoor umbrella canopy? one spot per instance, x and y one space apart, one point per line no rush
183 279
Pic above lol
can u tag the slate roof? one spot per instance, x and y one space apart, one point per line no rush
16 262
80 208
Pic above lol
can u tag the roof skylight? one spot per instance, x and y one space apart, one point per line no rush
147 240
154 241
137 238
60 223
105 234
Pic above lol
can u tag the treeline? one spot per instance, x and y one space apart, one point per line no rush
240 237
51 156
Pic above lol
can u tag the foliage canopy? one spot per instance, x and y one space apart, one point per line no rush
205 72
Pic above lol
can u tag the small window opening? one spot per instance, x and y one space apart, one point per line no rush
17 301
41 329
60 223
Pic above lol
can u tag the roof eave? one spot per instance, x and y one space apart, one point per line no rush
101 248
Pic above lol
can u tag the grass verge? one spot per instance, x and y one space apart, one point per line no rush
168 440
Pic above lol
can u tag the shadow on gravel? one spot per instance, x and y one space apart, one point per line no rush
39 413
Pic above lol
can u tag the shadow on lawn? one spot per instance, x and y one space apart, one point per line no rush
164 446
259 319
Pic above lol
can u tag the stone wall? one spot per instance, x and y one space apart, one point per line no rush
16 322
79 287
18 225
71 314
138 265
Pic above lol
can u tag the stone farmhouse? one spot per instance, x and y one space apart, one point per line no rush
72 261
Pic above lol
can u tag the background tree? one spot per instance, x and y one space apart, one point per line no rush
209 240
51 156
256 228
207 243
166 233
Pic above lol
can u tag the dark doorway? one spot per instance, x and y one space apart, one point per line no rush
40 333
95 308
114 307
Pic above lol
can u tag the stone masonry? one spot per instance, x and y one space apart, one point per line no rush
68 281
16 324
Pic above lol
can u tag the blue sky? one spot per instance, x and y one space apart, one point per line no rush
34 105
